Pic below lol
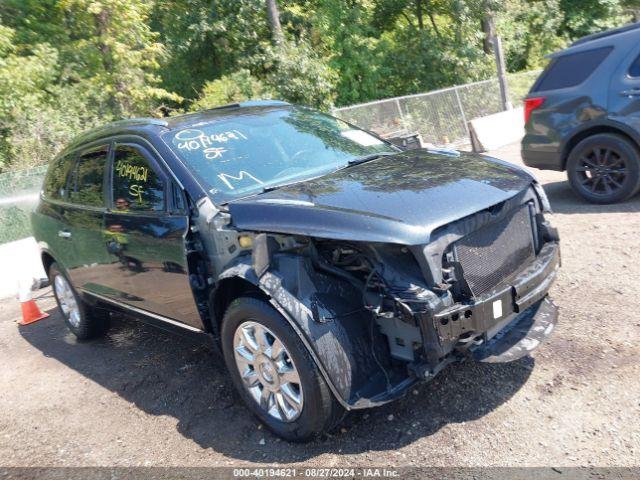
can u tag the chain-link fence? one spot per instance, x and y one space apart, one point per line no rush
440 116
18 195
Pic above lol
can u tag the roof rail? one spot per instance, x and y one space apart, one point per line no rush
138 121
95 132
251 103
606 33
223 107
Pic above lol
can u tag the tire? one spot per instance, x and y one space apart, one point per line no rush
84 321
604 168
318 412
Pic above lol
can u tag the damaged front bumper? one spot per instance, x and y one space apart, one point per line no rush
504 325
520 337
367 365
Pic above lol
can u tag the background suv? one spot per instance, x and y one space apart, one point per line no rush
583 115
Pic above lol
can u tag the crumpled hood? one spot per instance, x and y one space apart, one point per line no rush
396 199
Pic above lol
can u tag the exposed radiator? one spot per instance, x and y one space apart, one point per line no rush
491 255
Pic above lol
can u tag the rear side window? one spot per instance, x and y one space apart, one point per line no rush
136 185
634 69
571 70
87 180
55 182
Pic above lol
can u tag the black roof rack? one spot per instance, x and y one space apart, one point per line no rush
606 33
250 103
101 130
137 121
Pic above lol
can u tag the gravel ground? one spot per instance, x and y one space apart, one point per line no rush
142 397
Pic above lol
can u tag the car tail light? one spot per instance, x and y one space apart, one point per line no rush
530 104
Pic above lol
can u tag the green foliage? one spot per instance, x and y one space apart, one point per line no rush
291 72
528 29
298 75
119 52
582 17
15 223
236 87
206 39
68 65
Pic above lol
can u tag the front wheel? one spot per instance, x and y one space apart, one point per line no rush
604 168
274 373
84 321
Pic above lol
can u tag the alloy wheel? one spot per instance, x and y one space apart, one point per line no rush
67 300
601 171
268 372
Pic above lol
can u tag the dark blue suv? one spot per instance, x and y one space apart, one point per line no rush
332 269
583 115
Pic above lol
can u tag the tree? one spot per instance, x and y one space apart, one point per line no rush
68 65
206 39
236 87
120 52
582 17
103 67
274 20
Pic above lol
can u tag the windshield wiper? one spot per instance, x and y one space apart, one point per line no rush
368 158
354 161
271 188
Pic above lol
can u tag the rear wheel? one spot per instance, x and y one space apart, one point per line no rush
83 320
274 373
604 168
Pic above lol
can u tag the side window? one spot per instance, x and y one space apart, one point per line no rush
136 186
55 182
571 70
87 179
178 198
634 69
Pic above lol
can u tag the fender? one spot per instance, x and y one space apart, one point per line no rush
612 123
328 316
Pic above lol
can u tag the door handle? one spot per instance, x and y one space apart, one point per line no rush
633 92
64 234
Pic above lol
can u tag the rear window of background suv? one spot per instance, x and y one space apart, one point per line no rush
571 70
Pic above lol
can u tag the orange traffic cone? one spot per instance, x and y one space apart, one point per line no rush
30 311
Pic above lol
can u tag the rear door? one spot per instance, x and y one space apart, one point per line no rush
86 202
624 90
147 232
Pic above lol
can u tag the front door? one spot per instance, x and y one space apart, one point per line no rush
145 232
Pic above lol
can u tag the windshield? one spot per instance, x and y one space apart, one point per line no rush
239 156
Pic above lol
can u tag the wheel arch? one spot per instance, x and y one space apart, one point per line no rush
340 347
47 260
226 291
610 127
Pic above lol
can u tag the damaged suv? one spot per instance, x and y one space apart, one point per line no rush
334 270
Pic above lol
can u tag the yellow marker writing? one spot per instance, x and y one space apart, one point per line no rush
133 172
136 192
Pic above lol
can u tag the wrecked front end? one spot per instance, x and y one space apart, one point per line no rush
377 316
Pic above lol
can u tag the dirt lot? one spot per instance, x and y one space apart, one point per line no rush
143 397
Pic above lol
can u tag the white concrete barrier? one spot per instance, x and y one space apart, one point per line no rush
20 262
497 130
